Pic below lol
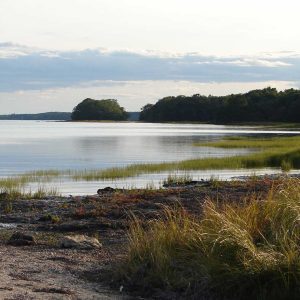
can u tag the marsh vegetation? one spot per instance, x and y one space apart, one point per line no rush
277 152
246 249
282 153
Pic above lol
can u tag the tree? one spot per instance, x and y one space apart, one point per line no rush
90 109
265 105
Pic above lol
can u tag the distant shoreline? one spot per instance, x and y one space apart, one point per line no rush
66 117
56 116
264 124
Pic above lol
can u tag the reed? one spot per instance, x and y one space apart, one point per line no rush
174 179
13 192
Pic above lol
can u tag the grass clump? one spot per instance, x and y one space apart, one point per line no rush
174 179
248 250
12 183
43 192
50 218
13 193
40 176
286 166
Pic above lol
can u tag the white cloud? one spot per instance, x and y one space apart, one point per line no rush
248 62
32 68
10 50
261 62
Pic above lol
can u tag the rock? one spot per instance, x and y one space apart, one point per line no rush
107 189
189 183
21 239
8 225
79 242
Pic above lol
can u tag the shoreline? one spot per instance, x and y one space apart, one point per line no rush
270 125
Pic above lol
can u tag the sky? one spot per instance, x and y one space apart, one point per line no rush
53 54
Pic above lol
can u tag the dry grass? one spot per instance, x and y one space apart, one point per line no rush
247 250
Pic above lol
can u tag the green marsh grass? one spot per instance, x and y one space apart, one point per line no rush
43 192
12 182
8 192
246 250
17 187
249 142
278 152
22 180
177 179
272 153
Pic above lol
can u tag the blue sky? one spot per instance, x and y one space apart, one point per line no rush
55 53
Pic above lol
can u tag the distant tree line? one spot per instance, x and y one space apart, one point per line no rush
88 109
39 116
265 105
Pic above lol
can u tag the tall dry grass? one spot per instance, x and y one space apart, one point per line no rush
246 250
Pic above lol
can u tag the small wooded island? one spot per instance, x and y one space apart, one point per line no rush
90 109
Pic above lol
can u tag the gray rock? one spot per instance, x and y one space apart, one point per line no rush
8 225
21 239
107 189
79 242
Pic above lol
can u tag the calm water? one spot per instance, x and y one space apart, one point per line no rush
35 145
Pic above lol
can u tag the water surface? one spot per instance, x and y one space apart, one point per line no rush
37 145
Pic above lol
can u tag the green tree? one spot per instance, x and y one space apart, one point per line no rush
90 109
265 105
